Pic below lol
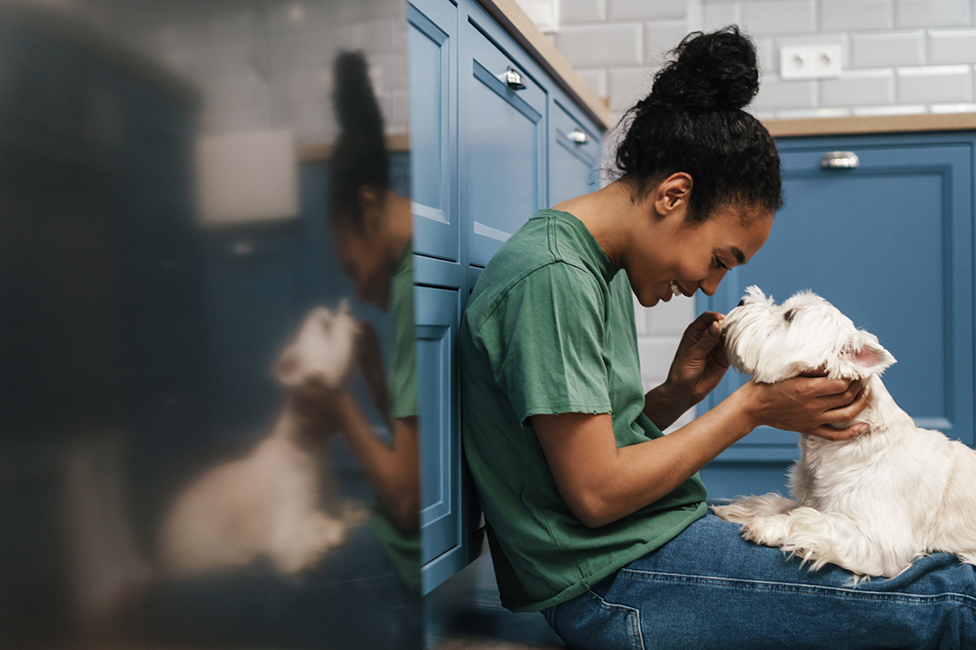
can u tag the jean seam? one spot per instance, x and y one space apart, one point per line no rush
550 615
633 617
786 587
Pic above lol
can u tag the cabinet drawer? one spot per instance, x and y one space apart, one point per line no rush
436 331
574 154
433 114
502 130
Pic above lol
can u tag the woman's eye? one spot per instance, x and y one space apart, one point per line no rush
720 264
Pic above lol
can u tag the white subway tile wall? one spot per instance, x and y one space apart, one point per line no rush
937 84
952 46
885 49
603 45
844 15
269 66
645 9
859 88
899 57
767 17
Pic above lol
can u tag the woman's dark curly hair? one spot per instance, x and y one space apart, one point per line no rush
693 122
359 157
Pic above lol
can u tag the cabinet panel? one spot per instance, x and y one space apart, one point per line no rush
437 314
574 155
502 131
431 42
890 244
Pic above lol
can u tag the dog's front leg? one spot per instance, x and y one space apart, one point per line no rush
820 538
742 510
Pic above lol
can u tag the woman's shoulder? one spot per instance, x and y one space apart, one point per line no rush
517 274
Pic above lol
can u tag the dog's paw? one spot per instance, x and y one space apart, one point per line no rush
306 546
326 532
732 512
767 531
745 509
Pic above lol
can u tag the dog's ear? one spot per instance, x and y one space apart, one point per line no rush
757 295
864 355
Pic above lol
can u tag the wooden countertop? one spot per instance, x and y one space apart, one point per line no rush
877 124
520 26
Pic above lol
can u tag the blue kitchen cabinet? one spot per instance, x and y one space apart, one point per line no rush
493 139
503 139
432 60
574 153
890 243
437 321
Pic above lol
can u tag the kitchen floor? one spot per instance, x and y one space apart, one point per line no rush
467 614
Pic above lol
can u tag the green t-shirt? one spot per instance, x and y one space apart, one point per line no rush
550 329
402 547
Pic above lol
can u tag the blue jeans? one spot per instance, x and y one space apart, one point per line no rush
709 588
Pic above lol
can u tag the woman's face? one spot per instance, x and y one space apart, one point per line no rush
362 256
685 258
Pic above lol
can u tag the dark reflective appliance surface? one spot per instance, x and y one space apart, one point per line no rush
208 431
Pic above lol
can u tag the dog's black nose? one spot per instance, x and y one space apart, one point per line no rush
742 302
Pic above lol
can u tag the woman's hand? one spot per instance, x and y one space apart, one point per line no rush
811 405
700 362
698 366
319 410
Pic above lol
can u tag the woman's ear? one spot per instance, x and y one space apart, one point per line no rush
371 209
673 193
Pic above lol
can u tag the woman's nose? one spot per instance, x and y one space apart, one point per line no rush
710 284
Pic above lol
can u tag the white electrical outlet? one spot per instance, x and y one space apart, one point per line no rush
809 61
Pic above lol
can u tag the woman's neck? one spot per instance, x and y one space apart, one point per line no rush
608 214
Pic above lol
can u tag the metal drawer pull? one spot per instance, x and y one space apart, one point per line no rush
513 78
579 137
839 160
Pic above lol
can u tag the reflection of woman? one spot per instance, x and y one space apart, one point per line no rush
364 595
372 229
595 517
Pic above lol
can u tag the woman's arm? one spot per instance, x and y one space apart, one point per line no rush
393 471
602 483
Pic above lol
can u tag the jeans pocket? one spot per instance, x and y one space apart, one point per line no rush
588 622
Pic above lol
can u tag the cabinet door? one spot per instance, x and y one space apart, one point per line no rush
502 131
442 552
890 244
574 155
433 150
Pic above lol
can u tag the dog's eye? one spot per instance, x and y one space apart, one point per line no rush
789 315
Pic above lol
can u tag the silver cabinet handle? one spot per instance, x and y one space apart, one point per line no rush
579 137
839 160
513 78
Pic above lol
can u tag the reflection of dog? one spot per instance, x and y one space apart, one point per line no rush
280 500
871 504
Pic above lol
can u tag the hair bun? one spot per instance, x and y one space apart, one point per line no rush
355 104
710 71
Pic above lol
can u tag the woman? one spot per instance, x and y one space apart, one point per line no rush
594 516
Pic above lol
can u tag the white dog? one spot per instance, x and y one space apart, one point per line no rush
280 500
871 504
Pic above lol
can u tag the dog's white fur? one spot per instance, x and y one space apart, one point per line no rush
871 504
280 500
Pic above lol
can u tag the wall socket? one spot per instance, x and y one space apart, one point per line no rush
809 61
